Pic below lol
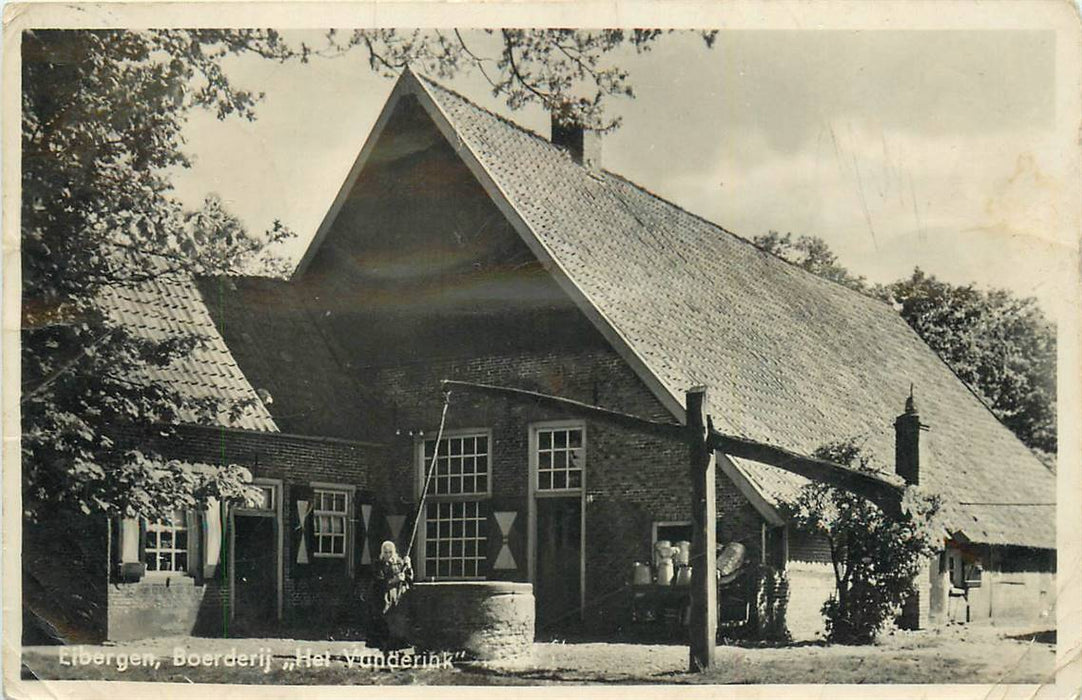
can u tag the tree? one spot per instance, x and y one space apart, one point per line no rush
102 113
102 129
564 70
812 254
874 557
1000 345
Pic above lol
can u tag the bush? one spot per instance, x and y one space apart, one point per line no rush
771 603
875 557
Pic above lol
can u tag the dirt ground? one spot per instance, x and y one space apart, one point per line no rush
976 655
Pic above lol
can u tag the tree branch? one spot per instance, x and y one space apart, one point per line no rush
477 60
49 380
509 51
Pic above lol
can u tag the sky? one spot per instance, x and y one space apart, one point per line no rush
938 149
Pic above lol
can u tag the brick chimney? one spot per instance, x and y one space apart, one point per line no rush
907 429
583 144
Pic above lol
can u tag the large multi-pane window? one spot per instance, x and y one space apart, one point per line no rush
461 465
560 458
167 543
456 513
455 539
330 514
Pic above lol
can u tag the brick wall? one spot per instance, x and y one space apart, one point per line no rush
804 547
72 594
632 479
155 608
293 458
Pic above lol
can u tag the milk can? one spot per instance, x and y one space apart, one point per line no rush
682 553
663 553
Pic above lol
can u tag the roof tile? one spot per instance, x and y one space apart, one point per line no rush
792 359
165 308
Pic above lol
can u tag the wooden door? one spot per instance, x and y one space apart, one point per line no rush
557 585
255 574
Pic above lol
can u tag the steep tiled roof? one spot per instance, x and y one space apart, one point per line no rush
791 359
165 308
282 351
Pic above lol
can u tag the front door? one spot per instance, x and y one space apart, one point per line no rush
557 583
255 574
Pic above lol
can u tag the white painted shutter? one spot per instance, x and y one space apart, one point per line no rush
193 520
212 538
129 541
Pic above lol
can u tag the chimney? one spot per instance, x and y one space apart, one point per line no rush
907 429
583 144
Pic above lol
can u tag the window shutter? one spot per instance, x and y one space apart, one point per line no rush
300 519
142 540
132 545
362 513
192 520
211 538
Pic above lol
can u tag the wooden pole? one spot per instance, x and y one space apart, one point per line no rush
704 593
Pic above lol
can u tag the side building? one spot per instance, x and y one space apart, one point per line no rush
221 571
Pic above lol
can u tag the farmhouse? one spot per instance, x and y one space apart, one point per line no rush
464 247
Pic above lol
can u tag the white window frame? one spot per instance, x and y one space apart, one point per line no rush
421 473
535 454
480 539
274 486
666 523
347 520
423 463
155 526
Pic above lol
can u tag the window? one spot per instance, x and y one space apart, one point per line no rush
455 540
456 515
330 513
266 500
560 458
461 466
673 530
167 544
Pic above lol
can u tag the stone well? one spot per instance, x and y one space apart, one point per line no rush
488 620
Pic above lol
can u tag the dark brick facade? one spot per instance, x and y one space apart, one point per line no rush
632 479
421 278
71 570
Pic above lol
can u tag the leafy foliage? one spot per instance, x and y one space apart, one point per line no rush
564 70
101 128
1000 345
812 254
874 557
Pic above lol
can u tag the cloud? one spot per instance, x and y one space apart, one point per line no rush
981 208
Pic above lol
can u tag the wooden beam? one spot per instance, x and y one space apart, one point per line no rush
884 493
559 403
704 593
